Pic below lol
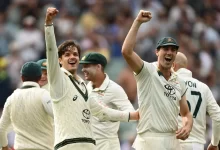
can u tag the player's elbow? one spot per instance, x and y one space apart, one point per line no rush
125 52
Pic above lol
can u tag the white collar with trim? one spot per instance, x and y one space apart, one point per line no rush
104 84
184 72
70 74
30 83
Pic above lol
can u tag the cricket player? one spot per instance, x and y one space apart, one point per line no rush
161 93
200 101
110 93
28 110
71 105
43 81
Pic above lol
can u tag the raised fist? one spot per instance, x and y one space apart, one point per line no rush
144 16
51 13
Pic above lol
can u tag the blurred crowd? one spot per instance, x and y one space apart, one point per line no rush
101 26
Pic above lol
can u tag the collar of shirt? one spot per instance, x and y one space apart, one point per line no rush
184 72
103 86
79 79
30 83
173 73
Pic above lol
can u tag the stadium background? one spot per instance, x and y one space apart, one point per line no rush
101 25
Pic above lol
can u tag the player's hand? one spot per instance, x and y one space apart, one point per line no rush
6 148
183 133
51 13
134 115
143 16
211 147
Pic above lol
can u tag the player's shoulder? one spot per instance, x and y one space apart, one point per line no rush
199 83
114 86
41 90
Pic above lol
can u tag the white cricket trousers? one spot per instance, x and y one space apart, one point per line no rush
156 141
191 146
78 146
108 144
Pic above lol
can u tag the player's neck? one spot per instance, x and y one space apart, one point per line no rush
165 72
97 82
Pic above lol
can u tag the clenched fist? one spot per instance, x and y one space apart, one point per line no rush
51 13
143 16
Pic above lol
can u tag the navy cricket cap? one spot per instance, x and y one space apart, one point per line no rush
31 69
42 63
94 58
167 41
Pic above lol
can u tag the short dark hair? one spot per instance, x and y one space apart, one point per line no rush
62 48
33 79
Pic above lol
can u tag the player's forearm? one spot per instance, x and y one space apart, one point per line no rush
114 115
100 110
188 120
3 138
4 124
134 115
5 148
53 66
51 53
215 133
130 40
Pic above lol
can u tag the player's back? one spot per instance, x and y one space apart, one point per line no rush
31 123
198 97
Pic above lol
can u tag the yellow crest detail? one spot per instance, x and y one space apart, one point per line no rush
44 64
169 40
83 58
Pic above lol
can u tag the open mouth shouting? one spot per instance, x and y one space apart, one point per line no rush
168 59
72 62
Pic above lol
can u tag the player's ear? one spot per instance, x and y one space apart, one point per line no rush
157 52
174 66
22 78
60 61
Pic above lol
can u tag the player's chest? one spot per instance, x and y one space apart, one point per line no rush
168 89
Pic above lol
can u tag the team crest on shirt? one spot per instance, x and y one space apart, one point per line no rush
86 114
44 64
170 92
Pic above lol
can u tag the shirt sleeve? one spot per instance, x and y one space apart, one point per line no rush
55 74
183 86
100 110
5 123
147 69
213 110
46 101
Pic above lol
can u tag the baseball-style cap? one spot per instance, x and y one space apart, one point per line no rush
94 58
42 63
166 41
31 69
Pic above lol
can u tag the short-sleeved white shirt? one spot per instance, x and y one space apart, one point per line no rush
158 100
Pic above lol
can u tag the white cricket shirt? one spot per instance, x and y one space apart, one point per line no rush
200 100
113 96
72 109
26 110
158 100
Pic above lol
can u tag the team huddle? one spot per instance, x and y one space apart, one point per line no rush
56 109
